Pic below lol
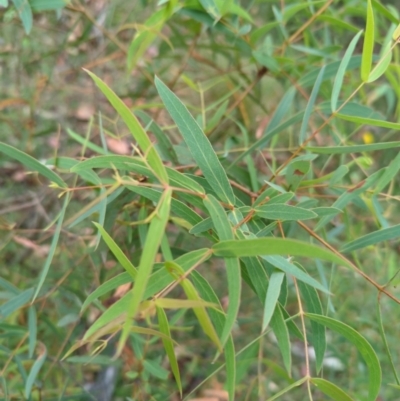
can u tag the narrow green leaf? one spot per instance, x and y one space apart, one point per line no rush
274 246
53 246
396 33
362 345
281 332
289 268
373 238
31 163
15 303
330 389
207 293
169 346
154 237
224 231
318 337
385 12
47 5
284 212
25 13
326 211
198 144
136 165
368 47
32 328
310 106
383 63
273 291
390 172
288 388
86 143
327 150
136 129
108 286
177 207
163 142
117 252
33 373
192 294
337 84
162 278
385 342
102 214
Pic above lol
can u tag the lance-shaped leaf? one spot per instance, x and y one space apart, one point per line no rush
200 311
136 129
224 231
154 237
337 84
362 345
274 246
284 212
169 346
368 47
373 238
31 163
198 144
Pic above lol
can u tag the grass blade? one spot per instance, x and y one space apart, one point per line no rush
198 144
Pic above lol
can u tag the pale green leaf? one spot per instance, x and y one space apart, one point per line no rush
155 234
25 13
289 268
368 47
271 299
136 129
